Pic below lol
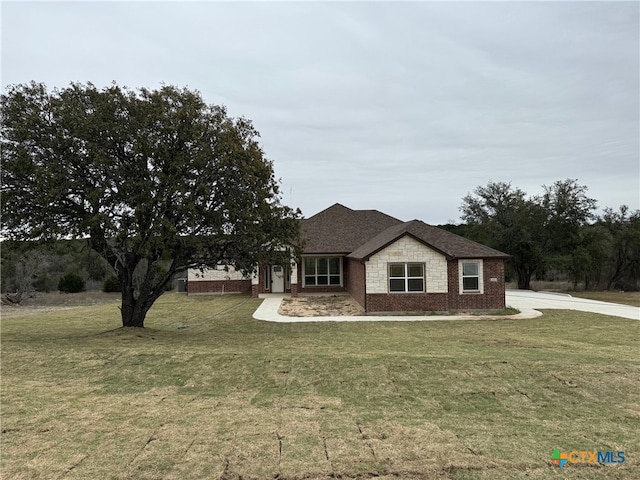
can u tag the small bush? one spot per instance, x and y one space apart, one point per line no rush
71 283
111 284
44 283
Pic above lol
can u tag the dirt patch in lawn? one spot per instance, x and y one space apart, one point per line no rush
320 306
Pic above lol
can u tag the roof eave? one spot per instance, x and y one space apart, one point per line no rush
503 256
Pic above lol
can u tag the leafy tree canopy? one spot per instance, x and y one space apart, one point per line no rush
157 181
535 231
503 217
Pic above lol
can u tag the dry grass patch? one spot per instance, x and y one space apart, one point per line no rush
208 393
625 298
39 303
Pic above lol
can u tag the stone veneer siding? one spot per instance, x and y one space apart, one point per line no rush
195 274
406 250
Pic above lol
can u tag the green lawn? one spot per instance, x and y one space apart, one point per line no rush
205 392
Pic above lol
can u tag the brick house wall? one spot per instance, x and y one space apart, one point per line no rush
257 286
218 286
493 297
407 302
217 280
354 280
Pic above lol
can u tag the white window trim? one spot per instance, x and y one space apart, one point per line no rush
304 273
406 277
480 276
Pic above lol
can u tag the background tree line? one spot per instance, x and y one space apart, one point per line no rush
556 235
39 266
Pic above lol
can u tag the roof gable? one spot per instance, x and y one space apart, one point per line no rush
449 244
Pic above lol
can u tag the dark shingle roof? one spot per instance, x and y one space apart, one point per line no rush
447 243
361 233
339 229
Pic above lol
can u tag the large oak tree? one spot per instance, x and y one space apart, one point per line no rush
502 217
157 181
538 232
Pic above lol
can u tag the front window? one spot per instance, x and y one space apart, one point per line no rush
322 271
470 277
406 277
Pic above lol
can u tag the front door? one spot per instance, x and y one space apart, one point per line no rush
277 279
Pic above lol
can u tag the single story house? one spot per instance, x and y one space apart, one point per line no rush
387 265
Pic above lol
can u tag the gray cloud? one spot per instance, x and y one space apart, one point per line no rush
403 107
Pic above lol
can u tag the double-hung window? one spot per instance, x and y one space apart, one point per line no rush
406 277
471 276
321 271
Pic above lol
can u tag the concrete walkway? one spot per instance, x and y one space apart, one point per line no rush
525 301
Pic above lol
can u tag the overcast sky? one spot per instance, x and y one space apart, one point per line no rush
400 107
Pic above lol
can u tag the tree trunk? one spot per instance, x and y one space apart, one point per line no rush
136 303
133 310
141 287
524 282
524 278
133 317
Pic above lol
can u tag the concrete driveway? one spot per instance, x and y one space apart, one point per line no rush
528 301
